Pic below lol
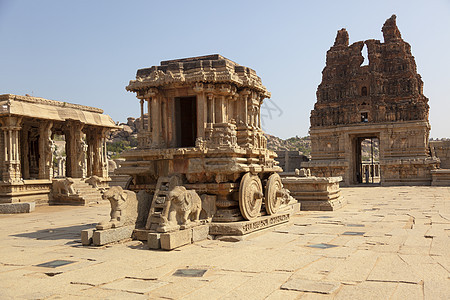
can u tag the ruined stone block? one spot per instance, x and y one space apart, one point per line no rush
17 208
176 239
103 237
86 236
200 233
154 240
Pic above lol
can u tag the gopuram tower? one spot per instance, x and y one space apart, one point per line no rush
379 105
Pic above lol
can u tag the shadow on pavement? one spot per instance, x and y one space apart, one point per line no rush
60 233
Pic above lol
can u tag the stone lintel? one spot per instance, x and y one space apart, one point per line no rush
17 208
103 237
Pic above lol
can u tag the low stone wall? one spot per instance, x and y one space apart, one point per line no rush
30 191
316 193
290 160
440 177
441 149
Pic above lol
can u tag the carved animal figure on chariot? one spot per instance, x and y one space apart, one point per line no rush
185 208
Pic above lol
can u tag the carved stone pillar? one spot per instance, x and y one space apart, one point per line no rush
142 115
202 111
211 108
74 149
244 116
46 149
171 122
104 159
93 157
25 152
144 135
220 115
155 122
149 114
95 152
11 162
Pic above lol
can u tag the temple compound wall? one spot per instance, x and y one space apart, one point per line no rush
27 147
381 100
289 161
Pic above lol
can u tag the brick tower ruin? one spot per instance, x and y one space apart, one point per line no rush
383 101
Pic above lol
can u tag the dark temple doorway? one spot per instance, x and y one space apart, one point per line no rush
367 160
186 121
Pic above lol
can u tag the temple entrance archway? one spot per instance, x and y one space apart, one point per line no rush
366 154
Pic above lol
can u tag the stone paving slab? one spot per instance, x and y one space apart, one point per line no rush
304 285
403 254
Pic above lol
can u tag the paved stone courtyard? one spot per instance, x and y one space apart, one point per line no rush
386 243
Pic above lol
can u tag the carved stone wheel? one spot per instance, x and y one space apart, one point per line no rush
250 196
273 199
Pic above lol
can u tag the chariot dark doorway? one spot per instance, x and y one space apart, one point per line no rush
367 160
186 121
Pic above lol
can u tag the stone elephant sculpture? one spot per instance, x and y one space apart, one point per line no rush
185 207
124 208
63 187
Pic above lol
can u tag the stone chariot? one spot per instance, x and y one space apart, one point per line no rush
202 130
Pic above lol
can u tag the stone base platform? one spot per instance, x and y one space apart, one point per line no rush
178 238
316 193
440 177
17 208
246 227
26 191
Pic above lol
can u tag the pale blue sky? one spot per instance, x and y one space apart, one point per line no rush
86 52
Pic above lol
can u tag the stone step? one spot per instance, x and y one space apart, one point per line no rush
88 193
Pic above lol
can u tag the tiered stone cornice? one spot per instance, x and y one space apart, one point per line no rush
38 100
204 69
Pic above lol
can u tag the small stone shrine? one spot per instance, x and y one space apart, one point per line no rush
383 101
202 155
27 146
315 193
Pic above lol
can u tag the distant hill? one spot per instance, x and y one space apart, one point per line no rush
127 138
302 144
